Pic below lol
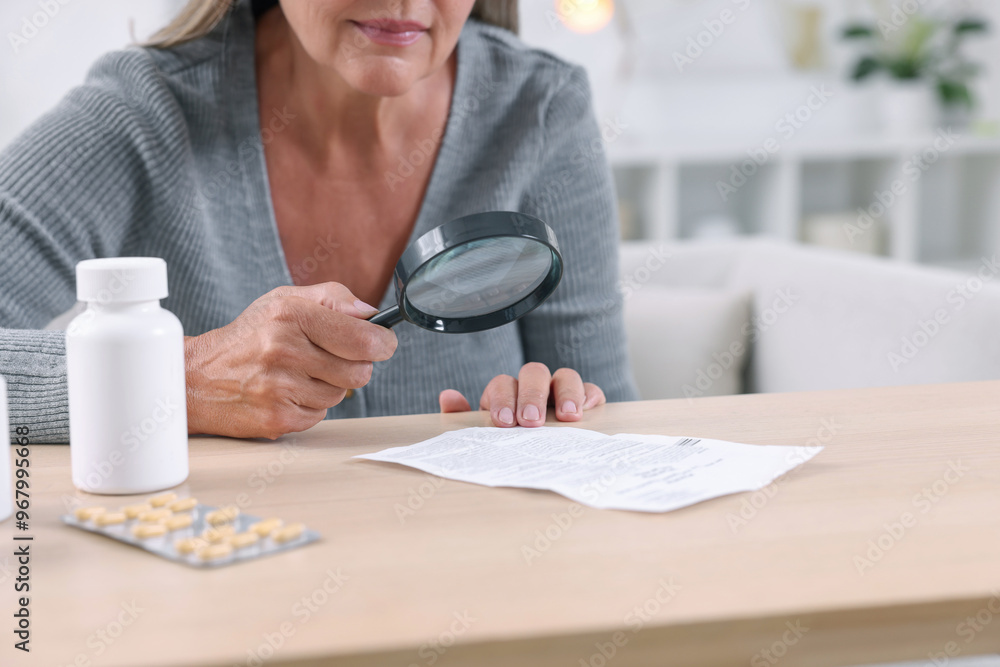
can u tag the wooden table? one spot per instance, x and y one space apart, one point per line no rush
825 568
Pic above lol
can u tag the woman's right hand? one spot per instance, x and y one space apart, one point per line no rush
275 369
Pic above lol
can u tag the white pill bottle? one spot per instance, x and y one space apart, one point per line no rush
125 366
6 484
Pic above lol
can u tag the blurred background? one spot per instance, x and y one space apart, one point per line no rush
868 125
811 120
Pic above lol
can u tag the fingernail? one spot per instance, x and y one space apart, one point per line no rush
569 408
506 416
530 413
364 307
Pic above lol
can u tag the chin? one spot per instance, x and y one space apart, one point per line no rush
385 77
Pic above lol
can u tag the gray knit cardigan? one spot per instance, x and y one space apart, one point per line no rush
160 153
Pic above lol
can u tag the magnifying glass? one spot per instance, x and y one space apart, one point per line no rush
475 273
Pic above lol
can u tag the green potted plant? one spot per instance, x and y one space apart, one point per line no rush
921 59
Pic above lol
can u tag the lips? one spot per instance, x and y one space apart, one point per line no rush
390 32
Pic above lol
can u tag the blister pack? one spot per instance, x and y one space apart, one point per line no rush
185 531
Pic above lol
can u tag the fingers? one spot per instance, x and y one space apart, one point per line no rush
318 395
500 398
293 419
595 396
523 400
285 351
331 295
568 395
453 401
318 364
532 394
345 337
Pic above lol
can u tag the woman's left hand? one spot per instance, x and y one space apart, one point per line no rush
524 399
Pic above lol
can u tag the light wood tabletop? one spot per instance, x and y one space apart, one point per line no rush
886 546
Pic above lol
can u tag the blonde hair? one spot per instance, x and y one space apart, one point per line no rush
199 17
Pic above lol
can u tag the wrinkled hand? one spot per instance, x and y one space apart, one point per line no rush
523 400
276 368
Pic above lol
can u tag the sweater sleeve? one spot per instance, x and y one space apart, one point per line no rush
71 187
581 325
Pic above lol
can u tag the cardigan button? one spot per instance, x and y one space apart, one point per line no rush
349 394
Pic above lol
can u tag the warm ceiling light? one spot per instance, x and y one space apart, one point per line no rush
585 16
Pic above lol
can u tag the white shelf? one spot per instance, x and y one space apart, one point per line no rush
711 150
951 209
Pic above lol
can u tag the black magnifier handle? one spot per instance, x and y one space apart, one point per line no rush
388 318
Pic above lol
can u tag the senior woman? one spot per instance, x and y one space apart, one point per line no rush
280 157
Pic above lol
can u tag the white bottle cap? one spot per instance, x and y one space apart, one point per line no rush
121 279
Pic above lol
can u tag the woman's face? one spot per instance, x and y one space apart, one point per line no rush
379 47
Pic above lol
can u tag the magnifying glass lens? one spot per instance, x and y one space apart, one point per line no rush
475 273
479 277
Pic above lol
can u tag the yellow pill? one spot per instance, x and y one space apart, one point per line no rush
220 550
288 533
219 534
87 513
177 522
266 527
144 530
133 511
162 499
224 515
243 540
109 518
183 505
190 545
153 516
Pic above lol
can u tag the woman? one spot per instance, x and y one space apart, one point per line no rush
293 151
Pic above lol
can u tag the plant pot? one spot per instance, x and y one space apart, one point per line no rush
908 108
956 116
861 103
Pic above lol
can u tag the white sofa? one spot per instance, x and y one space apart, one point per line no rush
806 318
